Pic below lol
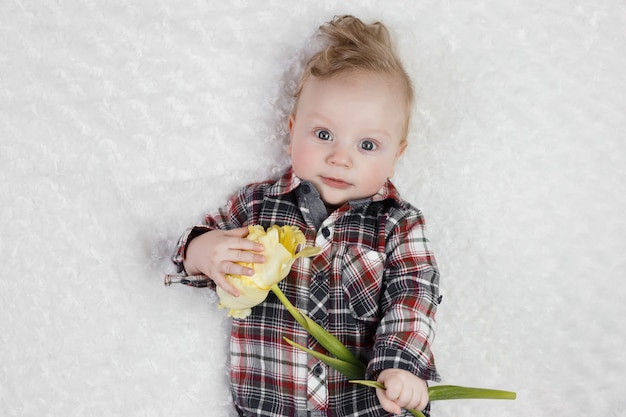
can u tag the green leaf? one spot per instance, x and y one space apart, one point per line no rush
332 344
454 392
327 340
346 363
350 370
368 383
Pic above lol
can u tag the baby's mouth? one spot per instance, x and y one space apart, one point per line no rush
335 182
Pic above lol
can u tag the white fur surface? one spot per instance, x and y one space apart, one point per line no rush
122 122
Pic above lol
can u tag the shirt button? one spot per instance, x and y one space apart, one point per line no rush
325 232
318 370
321 276
306 189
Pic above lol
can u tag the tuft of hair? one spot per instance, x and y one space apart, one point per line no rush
352 45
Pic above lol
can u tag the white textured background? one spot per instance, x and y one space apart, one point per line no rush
122 122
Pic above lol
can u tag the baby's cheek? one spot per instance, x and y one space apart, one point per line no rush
303 161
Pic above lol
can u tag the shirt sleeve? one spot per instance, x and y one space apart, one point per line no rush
409 300
230 216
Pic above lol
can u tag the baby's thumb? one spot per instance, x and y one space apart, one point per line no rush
238 232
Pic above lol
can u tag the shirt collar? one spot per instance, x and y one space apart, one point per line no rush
289 182
285 184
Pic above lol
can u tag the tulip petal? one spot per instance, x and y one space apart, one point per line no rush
249 296
280 245
308 251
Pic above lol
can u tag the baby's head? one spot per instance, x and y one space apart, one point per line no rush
353 46
351 118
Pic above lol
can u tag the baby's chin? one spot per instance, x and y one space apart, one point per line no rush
332 197
334 201
335 197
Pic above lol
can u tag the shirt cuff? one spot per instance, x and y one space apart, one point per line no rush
391 358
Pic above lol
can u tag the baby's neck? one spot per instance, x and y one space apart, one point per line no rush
330 208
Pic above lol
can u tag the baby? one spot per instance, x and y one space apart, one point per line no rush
375 284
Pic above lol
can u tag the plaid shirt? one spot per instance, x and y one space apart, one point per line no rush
374 286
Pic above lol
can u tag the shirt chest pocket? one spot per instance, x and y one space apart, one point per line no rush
362 276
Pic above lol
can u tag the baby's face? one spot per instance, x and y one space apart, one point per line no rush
346 134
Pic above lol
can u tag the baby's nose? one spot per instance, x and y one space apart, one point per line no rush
339 157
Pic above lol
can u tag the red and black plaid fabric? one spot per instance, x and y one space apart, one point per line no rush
375 286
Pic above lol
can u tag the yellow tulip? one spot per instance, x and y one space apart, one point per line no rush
281 246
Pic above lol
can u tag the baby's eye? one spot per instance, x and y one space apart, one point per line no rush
368 145
323 134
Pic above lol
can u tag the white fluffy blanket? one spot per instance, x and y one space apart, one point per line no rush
122 122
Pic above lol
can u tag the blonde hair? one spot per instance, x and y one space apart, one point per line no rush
355 46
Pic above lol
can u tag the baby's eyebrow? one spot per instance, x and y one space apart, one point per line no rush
376 134
319 117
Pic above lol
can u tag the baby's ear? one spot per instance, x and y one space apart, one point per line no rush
292 120
399 153
401 149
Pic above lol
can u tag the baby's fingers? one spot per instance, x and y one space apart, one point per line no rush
389 405
239 240
232 268
221 282
245 256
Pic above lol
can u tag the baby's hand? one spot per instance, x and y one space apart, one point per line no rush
403 390
217 252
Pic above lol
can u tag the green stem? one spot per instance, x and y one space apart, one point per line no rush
346 363
452 392
346 368
292 310
327 340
